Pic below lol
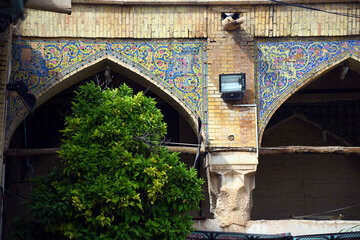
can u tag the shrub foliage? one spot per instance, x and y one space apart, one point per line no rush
117 181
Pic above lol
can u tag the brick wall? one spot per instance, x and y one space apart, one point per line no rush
117 21
288 21
228 52
104 21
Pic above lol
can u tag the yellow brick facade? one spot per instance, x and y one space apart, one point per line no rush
117 21
288 21
92 21
228 52
230 124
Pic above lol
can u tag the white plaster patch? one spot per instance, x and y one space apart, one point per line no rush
300 227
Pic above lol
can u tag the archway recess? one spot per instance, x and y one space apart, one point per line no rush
41 131
324 113
175 70
285 67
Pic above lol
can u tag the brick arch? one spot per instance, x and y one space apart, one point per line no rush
44 82
280 67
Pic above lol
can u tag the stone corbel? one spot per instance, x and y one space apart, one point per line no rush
232 179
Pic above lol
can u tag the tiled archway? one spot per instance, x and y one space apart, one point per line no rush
176 68
285 67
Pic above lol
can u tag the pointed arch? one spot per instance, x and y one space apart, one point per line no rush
350 56
87 69
175 70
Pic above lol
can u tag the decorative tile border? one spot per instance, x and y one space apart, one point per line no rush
178 66
284 67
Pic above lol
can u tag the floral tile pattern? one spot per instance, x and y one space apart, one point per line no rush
178 66
283 67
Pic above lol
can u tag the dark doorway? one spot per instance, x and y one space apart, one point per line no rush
324 113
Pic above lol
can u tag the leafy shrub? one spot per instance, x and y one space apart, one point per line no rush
117 181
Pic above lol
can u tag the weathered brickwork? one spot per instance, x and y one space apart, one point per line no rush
227 52
289 21
230 52
92 21
191 21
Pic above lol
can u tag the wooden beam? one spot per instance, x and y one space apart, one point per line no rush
231 149
52 151
193 150
195 2
308 149
330 91
187 150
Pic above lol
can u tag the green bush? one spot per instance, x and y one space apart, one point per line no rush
117 181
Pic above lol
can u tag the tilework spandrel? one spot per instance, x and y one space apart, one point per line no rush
283 67
177 66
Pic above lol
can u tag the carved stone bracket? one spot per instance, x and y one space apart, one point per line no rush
232 179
